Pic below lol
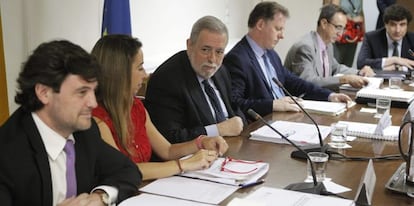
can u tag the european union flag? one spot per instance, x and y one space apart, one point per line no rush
116 17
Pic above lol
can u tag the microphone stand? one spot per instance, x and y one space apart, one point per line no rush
315 187
302 153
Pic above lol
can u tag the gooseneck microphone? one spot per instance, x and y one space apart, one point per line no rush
315 187
310 148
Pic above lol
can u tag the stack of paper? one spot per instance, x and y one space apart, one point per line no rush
367 130
234 172
324 107
373 83
265 196
299 133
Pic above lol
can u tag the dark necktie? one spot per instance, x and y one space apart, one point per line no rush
395 49
70 169
214 101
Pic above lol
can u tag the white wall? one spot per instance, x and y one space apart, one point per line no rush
162 25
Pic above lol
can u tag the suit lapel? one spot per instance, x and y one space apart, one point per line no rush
197 95
317 51
220 84
256 66
40 156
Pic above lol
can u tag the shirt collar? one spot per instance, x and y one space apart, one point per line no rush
258 51
390 41
54 143
321 44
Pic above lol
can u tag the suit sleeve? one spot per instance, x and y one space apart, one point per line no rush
111 167
366 57
303 64
166 102
243 93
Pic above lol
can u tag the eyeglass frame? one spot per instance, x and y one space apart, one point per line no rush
229 159
338 28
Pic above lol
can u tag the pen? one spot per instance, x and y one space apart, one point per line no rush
258 182
300 96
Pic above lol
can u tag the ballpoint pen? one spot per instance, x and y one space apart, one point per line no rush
258 182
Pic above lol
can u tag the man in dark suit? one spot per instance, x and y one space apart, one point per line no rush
189 94
389 48
253 63
51 152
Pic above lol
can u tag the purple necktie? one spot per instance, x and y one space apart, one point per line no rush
70 169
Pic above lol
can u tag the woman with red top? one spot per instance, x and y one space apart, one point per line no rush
124 122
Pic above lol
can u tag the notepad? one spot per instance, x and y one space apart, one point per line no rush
324 107
393 94
299 133
367 130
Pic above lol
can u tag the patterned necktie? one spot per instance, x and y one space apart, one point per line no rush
395 49
70 169
276 91
214 101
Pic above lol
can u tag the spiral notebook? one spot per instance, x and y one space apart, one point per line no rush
367 130
393 94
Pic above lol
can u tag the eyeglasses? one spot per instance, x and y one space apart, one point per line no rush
230 160
338 28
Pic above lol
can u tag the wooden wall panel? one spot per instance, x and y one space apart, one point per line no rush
4 106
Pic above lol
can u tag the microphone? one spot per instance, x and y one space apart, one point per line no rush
315 187
310 148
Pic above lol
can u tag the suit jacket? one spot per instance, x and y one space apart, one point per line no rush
25 177
250 88
374 48
304 60
176 102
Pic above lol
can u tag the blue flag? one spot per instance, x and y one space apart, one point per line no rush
116 17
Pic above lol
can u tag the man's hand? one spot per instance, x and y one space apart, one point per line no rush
285 104
367 71
230 127
339 97
354 80
83 199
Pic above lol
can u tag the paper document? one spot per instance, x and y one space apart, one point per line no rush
156 200
190 189
393 94
299 133
324 107
367 130
373 82
268 196
233 172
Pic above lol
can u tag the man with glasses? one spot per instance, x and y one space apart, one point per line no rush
312 58
254 64
391 47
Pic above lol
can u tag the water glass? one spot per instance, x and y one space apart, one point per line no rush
395 83
338 135
382 105
319 160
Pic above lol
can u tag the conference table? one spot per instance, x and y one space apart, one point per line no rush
285 170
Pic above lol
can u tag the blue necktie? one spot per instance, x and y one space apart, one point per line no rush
276 91
70 169
214 101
